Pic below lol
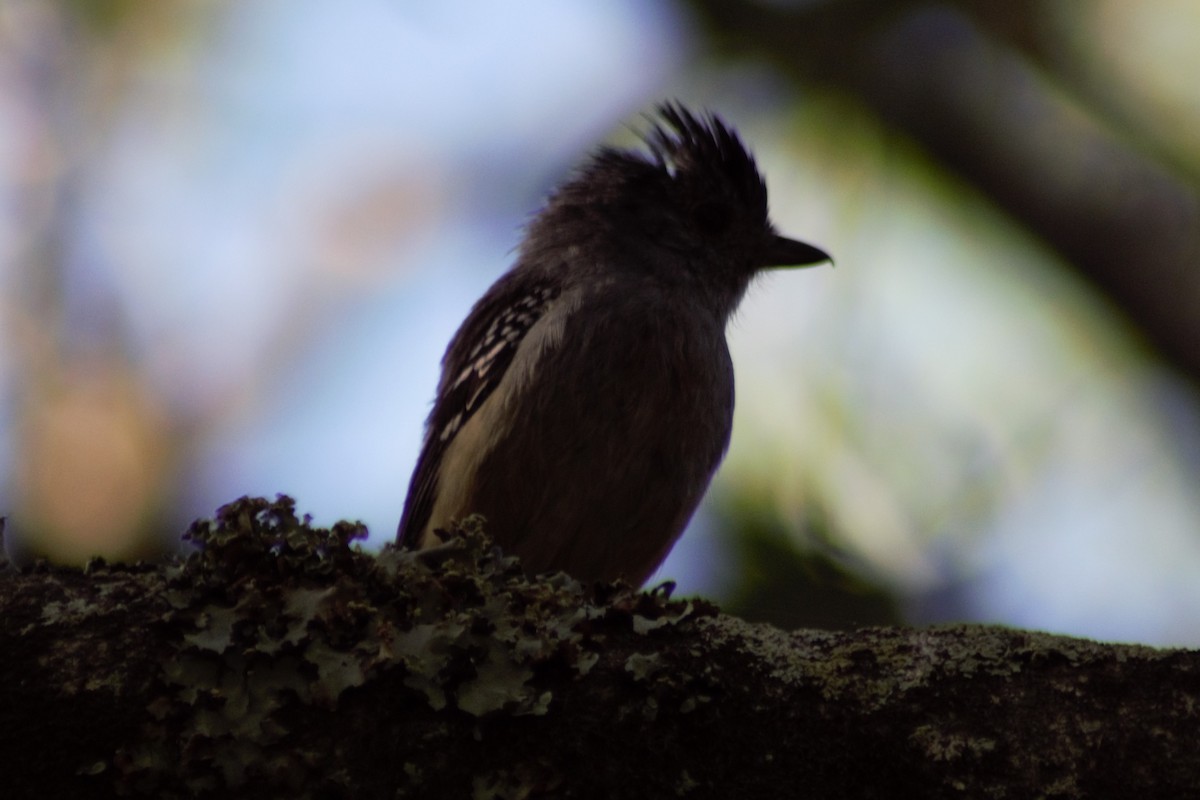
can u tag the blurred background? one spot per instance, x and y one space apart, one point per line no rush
235 238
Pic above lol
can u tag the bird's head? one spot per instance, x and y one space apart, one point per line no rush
694 200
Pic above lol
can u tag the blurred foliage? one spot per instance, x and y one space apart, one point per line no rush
104 16
1052 113
807 586
1009 97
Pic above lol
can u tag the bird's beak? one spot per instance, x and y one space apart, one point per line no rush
784 252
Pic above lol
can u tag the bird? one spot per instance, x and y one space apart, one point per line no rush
587 399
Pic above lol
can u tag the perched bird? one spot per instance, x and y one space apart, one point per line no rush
587 399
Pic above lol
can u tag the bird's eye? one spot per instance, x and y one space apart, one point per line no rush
712 217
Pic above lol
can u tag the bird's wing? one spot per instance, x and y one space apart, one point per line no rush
475 362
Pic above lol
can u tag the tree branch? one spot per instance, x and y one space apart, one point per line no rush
278 660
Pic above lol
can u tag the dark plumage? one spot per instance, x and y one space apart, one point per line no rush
587 399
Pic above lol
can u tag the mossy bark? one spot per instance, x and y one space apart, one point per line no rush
278 660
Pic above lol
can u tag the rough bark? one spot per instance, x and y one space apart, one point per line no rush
278 660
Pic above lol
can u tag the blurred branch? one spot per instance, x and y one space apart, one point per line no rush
958 78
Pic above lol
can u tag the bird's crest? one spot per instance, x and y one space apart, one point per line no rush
705 150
